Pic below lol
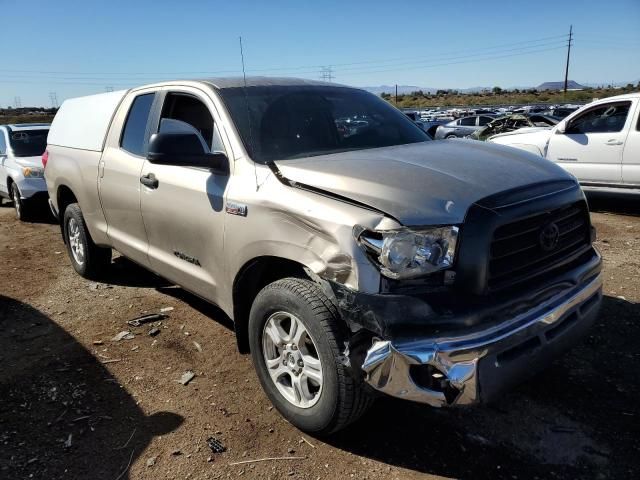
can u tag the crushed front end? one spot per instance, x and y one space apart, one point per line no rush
526 287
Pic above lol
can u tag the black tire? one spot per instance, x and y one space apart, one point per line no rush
22 207
342 399
96 259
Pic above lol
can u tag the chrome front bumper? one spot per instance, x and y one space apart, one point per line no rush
473 367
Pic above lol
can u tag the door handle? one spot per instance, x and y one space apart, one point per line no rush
149 180
613 142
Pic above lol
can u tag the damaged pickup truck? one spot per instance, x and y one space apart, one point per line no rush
351 261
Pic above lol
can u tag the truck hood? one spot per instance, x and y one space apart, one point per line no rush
428 183
521 131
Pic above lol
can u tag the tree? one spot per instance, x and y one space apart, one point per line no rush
496 90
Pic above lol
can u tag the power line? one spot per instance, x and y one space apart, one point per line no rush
17 102
304 67
444 64
325 73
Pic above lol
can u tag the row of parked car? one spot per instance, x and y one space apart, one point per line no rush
598 143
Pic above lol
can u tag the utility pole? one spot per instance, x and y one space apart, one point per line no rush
326 74
54 99
566 71
396 97
17 102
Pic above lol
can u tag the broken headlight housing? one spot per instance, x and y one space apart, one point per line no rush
405 253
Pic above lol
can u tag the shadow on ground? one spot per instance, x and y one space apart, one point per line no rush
39 213
623 204
62 414
578 419
124 272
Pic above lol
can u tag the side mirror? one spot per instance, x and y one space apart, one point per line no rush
184 150
561 127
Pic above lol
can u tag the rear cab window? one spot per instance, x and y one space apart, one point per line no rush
134 134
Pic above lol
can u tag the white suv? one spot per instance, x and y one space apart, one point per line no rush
21 171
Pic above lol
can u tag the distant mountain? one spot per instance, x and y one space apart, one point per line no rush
402 89
560 86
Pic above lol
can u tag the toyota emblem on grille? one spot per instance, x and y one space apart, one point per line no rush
548 237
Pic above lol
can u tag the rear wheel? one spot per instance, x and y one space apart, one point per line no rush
87 258
296 337
450 136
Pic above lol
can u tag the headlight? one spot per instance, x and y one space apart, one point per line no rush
33 172
408 254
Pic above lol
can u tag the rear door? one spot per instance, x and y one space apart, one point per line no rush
467 126
184 212
119 175
591 147
631 152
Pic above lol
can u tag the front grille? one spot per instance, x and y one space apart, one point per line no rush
516 252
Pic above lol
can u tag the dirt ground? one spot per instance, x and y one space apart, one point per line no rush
76 404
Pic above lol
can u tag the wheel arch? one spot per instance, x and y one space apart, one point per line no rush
254 275
64 198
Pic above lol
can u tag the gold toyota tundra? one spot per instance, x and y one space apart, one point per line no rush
353 254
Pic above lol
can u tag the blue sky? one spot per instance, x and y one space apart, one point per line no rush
76 48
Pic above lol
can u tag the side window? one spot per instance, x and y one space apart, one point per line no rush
134 133
468 122
3 144
603 119
484 120
185 113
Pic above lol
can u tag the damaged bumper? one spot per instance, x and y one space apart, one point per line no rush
475 366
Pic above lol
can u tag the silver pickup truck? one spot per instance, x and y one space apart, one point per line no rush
352 253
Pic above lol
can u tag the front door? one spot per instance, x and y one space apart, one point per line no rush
592 144
119 177
184 211
631 153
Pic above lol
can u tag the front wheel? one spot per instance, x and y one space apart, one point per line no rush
23 211
297 344
87 258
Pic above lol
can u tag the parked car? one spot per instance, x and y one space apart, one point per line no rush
430 126
559 112
516 121
462 127
21 172
599 144
438 272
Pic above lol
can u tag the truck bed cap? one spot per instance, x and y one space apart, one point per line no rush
96 112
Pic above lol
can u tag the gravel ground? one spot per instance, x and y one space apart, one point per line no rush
74 403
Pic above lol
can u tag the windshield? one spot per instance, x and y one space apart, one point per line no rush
285 122
28 143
